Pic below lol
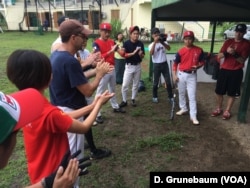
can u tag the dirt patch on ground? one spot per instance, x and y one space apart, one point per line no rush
215 145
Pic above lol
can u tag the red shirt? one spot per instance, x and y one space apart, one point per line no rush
46 142
188 57
104 46
242 48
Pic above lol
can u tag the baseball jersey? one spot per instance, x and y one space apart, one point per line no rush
242 48
104 46
129 47
46 141
185 58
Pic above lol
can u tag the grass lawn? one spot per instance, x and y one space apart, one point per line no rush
15 174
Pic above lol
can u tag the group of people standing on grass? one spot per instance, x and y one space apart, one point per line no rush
61 124
54 131
189 59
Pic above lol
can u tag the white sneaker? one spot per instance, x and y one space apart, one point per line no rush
195 122
181 112
155 100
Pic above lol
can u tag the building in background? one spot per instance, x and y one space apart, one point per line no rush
25 15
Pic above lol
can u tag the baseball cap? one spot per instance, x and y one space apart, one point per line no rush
19 109
241 28
105 26
188 34
155 30
133 28
72 27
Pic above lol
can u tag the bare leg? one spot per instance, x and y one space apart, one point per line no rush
230 103
219 100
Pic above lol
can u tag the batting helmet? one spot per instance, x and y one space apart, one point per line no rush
188 34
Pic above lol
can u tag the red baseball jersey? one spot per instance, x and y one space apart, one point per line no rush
104 46
185 58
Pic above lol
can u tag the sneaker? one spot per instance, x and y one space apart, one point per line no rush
99 154
216 112
155 100
119 110
195 121
181 112
133 103
83 172
123 104
171 100
99 119
226 115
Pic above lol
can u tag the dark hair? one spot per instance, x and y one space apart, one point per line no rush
61 20
29 69
116 37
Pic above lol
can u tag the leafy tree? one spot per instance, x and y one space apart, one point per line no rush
116 27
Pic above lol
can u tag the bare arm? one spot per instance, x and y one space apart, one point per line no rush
76 114
83 127
230 50
167 46
152 50
88 89
90 73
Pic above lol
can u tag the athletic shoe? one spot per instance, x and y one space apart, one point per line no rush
216 112
99 154
226 115
123 104
119 110
133 103
171 100
84 171
195 122
155 100
99 119
181 112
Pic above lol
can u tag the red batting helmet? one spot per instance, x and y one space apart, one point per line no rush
188 34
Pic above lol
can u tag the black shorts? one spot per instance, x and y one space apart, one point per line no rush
229 82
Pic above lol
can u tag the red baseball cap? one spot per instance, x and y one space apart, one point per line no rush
133 28
19 109
105 26
188 34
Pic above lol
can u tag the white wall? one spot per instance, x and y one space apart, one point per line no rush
201 75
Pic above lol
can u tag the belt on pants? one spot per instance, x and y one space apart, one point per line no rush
132 63
189 71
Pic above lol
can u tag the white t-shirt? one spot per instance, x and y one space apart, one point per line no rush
159 55
83 53
57 41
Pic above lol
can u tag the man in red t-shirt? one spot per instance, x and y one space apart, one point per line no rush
234 52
